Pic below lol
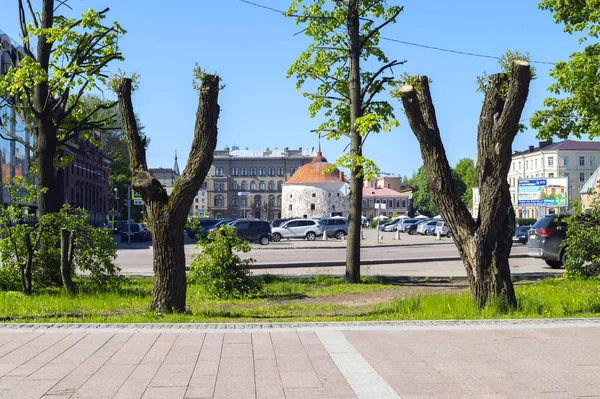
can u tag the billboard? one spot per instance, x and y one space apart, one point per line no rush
549 191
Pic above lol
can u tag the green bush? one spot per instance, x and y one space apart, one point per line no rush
526 221
582 243
218 269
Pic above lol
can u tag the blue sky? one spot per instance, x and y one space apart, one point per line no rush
252 48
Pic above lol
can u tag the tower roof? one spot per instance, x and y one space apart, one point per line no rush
313 172
176 165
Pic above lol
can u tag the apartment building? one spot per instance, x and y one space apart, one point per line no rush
385 180
249 183
396 203
575 160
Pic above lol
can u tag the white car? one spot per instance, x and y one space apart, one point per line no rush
298 228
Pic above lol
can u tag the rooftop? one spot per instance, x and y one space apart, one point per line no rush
567 145
313 172
236 152
590 183
381 192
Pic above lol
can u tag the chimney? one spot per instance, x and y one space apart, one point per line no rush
341 176
531 148
546 143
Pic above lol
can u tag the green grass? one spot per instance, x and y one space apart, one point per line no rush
308 299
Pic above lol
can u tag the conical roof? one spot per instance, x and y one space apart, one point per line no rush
313 172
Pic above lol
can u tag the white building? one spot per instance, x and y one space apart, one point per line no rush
575 160
310 193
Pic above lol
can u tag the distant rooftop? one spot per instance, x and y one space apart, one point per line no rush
236 152
590 183
567 145
12 42
371 192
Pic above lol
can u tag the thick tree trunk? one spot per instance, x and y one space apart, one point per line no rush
167 214
354 222
48 193
484 245
66 257
169 290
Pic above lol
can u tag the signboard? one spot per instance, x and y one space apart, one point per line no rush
137 199
379 206
345 189
241 193
549 192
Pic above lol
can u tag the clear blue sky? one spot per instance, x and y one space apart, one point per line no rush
252 48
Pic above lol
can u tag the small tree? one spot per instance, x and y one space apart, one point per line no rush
485 244
167 214
582 242
218 267
345 37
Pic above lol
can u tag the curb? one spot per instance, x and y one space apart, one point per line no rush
263 247
336 263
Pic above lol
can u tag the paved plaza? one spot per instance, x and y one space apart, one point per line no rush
410 360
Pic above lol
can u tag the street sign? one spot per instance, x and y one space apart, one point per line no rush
379 206
137 199
138 202
241 193
345 189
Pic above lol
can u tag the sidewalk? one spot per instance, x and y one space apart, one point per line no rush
428 359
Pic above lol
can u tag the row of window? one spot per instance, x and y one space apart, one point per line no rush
533 163
389 203
513 181
255 171
262 186
243 200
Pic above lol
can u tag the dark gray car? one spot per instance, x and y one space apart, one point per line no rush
335 227
545 238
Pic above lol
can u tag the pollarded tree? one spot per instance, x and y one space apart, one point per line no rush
485 244
576 107
345 36
61 60
167 214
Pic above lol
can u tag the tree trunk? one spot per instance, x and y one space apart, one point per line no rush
169 290
356 173
167 214
48 193
66 257
27 269
484 245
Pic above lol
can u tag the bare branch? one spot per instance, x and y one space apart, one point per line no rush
33 16
381 70
326 97
12 137
376 30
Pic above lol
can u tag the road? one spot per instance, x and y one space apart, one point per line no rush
421 256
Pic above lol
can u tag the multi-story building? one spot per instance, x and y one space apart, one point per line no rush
386 180
396 203
166 176
575 160
249 183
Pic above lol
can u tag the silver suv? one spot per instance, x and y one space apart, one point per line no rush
335 227
298 228
443 229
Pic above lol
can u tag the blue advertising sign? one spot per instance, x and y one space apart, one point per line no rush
550 192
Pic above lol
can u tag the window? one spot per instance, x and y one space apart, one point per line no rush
550 174
535 163
219 171
219 200
244 186
527 164
404 203
271 200
279 186
279 171
582 177
279 200
257 200
566 175
550 161
262 186
519 165
235 201
293 170
314 195
244 171
290 208
391 203
216 186
581 161
235 186
263 171
221 186
252 186
271 171
592 161
252 171
567 161
271 186
312 207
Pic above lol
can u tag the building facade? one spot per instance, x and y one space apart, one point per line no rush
575 160
385 180
313 193
249 183
395 203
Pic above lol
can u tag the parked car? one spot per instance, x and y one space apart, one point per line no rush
202 229
335 227
119 225
392 226
427 228
545 238
137 232
521 234
382 225
411 229
221 222
298 228
443 229
278 222
253 230
405 223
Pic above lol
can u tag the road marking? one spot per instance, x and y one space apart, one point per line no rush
361 376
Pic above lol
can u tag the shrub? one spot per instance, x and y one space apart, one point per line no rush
582 243
218 269
526 221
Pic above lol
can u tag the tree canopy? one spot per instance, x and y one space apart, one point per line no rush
574 107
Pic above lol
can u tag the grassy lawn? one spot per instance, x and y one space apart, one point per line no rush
306 299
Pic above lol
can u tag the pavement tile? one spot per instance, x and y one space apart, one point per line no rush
164 393
106 381
69 385
189 339
236 350
238 338
160 349
16 341
134 350
306 393
173 375
261 338
137 382
239 387
29 389
183 355
268 382
201 387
